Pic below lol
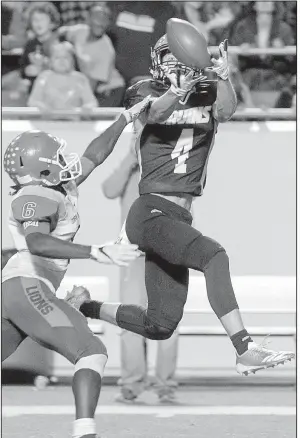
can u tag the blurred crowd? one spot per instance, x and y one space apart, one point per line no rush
63 55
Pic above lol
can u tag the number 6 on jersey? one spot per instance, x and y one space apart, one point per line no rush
181 151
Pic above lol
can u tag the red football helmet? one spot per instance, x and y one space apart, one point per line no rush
36 156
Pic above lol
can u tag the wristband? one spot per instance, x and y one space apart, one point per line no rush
94 252
95 249
223 73
127 116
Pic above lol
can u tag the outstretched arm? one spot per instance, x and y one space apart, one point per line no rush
226 102
38 216
103 145
44 245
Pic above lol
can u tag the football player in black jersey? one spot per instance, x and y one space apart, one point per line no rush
174 140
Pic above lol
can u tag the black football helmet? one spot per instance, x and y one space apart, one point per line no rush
161 48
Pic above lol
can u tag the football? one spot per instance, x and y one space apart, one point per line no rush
187 44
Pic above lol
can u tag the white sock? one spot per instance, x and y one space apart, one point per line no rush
84 426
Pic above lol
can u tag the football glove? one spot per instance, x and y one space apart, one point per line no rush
221 65
113 253
182 84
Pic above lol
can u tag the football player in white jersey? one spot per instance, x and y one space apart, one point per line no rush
43 221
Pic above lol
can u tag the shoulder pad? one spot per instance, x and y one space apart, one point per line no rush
137 92
35 206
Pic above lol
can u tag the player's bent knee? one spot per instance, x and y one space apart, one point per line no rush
93 356
202 251
158 333
95 362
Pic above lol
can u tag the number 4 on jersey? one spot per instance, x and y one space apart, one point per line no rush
181 151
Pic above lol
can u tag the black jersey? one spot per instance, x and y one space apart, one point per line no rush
174 154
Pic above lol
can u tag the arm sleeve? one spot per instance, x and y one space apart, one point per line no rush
135 94
36 214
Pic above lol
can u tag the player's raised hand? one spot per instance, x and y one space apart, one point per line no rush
116 254
221 65
136 110
188 81
184 81
183 84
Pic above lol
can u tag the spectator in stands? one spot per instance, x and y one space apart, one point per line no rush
13 25
210 18
123 184
287 97
95 56
136 27
43 19
263 28
13 39
74 12
62 88
290 16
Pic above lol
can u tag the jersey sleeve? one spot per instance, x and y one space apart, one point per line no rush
136 93
35 213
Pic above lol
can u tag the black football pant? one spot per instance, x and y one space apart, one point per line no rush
163 231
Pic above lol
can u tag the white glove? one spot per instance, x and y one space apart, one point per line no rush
115 254
183 84
221 66
136 110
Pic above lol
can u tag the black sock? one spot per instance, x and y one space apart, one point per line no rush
86 388
240 341
91 309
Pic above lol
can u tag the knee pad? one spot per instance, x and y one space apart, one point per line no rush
95 362
157 332
202 251
93 357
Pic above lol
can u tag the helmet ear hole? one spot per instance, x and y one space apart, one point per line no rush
21 162
45 173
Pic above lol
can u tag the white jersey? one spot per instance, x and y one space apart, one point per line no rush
30 208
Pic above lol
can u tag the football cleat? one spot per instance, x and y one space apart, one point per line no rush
258 357
77 296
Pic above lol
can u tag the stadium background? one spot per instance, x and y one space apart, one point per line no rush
249 205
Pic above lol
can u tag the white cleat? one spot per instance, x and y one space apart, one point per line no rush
257 357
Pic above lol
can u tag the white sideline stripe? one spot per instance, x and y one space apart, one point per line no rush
281 126
159 411
103 125
16 125
26 125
